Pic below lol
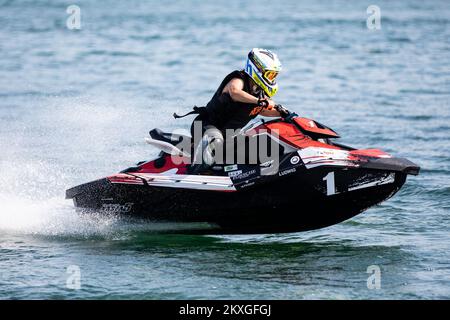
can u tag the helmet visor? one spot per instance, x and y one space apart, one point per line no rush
270 76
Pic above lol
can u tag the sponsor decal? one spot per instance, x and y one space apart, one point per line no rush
295 160
117 208
267 164
374 183
247 174
234 174
326 152
230 168
286 172
247 185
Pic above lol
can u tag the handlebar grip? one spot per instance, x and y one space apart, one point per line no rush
282 110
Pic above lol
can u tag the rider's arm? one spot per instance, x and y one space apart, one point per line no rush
235 88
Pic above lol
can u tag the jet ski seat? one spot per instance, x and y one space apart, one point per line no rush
171 138
169 142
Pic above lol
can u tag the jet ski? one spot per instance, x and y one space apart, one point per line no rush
316 183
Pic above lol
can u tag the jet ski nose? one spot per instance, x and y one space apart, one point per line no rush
393 164
411 168
414 170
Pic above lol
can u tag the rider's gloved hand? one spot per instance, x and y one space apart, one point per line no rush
266 103
263 103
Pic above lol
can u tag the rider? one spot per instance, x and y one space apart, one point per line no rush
242 96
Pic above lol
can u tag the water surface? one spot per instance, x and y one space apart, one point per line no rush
75 105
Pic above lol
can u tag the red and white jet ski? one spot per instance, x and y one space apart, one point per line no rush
318 183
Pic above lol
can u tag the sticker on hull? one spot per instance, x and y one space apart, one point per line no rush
333 182
117 208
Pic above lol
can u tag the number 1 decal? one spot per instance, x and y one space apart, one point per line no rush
331 188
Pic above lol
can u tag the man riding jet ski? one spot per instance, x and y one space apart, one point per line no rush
242 96
312 181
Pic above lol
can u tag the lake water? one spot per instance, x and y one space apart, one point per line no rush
75 105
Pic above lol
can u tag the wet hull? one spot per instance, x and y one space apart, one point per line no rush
302 201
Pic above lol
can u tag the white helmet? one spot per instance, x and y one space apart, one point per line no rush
263 67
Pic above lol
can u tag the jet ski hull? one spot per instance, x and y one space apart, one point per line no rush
316 183
297 202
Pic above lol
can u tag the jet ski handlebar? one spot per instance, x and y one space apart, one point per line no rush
285 113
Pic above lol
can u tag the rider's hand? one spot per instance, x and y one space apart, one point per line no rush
266 104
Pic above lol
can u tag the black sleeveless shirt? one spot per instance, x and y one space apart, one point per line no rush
224 113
